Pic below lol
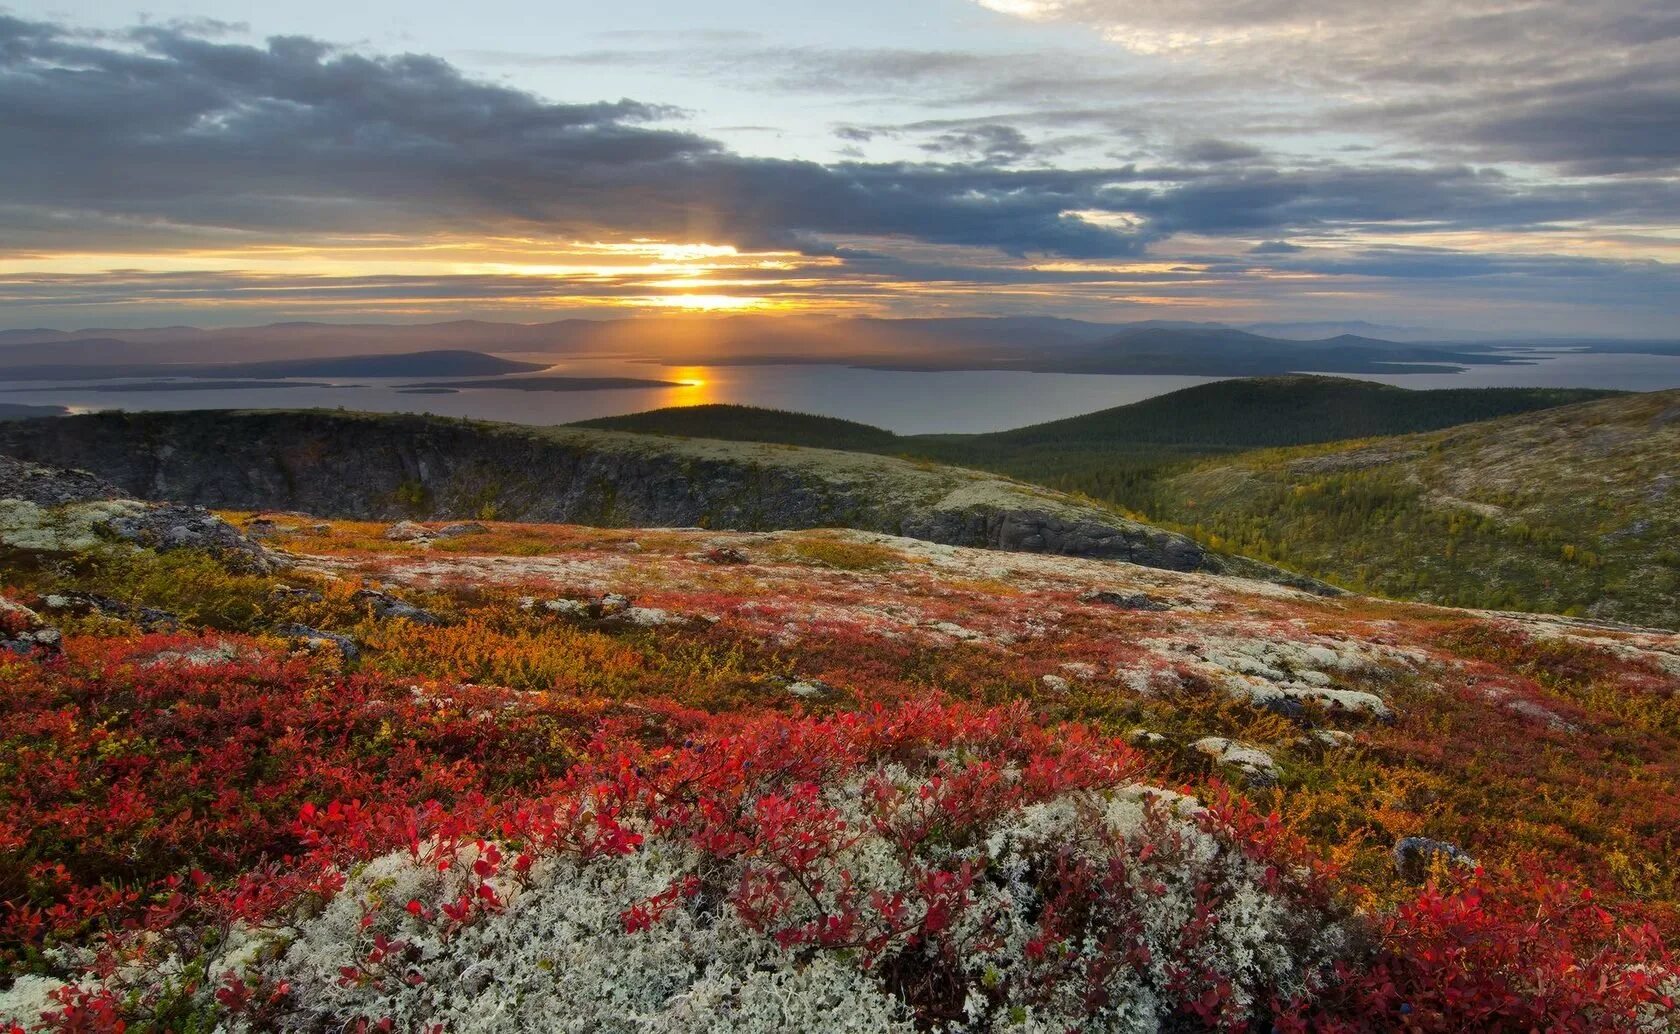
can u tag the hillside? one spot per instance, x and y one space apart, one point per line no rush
364 465
1268 411
503 777
1117 455
1575 509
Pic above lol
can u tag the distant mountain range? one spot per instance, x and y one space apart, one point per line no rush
978 343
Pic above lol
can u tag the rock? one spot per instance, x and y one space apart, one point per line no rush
1256 766
167 526
1145 738
450 531
390 607
1414 856
291 594
52 486
86 604
568 608
316 640
267 528
22 631
406 531
629 547
810 689
1329 739
220 652
724 555
1123 600
610 604
1055 683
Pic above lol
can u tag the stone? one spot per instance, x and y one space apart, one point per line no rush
810 689
1256 766
724 555
450 531
52 486
406 531
88 604
387 606
1414 856
1123 600
315 640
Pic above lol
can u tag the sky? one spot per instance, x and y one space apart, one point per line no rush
1490 165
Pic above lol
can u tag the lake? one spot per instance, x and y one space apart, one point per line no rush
905 402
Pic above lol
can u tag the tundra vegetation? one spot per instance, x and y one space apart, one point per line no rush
492 776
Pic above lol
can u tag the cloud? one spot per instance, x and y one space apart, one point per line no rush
1275 248
990 142
1217 151
172 137
1519 82
168 129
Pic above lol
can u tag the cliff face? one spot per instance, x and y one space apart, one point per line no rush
377 467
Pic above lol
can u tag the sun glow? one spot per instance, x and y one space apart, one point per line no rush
707 302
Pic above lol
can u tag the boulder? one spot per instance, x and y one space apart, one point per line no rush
407 531
1415 856
1255 765
387 606
167 526
315 640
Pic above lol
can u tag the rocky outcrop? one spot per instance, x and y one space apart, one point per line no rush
389 467
53 510
48 486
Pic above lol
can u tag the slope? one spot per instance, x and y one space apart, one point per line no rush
532 776
366 465
1574 509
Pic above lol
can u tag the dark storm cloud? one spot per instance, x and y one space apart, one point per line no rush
168 129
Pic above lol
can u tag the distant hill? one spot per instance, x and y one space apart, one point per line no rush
1033 343
1574 509
1227 415
1268 411
439 363
753 424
